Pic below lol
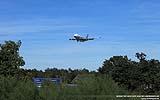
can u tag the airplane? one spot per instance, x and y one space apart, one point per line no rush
79 38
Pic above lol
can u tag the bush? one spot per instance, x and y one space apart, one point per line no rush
93 88
13 89
90 88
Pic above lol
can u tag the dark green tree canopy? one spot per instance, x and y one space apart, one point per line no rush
141 56
10 59
141 76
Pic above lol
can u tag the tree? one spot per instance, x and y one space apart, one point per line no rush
142 76
119 67
141 56
149 73
10 59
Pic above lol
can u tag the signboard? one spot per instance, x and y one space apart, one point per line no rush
39 81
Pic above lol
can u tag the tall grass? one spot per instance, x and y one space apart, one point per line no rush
90 88
93 88
13 89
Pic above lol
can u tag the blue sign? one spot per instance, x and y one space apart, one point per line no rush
39 81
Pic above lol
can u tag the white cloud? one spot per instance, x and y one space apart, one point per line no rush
37 25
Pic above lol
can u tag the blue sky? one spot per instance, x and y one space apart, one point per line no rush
44 26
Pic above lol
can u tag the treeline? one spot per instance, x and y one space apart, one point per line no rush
142 77
67 75
16 83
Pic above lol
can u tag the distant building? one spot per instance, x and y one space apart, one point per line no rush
81 77
39 81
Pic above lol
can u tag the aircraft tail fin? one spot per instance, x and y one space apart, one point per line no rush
87 36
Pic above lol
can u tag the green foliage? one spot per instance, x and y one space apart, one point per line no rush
141 77
92 88
141 56
99 86
13 89
48 91
10 60
66 75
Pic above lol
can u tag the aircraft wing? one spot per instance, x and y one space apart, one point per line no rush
72 39
90 38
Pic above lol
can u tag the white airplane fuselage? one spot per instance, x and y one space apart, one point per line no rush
79 38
